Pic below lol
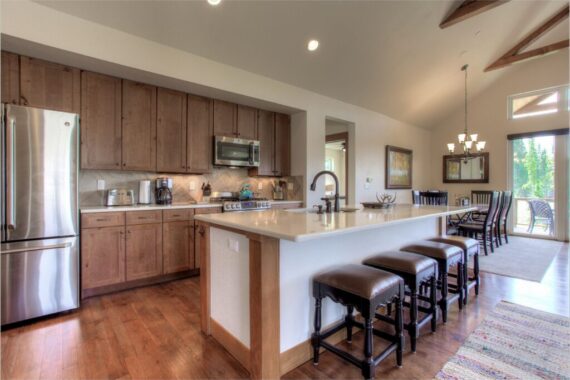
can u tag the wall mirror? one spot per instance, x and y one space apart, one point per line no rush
474 170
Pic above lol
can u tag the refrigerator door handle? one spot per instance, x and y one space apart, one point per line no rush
38 248
10 219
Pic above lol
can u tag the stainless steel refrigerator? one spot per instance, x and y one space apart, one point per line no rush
40 234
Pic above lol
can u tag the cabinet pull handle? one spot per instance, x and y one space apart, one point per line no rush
101 220
141 217
23 98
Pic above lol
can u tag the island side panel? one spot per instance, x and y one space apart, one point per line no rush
203 237
264 307
300 261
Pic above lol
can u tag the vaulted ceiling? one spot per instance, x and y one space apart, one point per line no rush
387 56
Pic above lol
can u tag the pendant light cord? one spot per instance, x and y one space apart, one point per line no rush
464 68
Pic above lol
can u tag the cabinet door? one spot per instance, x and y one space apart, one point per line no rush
100 121
49 85
247 123
144 251
10 78
200 135
170 131
266 134
225 118
102 256
178 245
139 126
282 145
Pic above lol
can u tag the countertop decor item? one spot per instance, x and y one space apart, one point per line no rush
384 201
398 168
245 193
466 140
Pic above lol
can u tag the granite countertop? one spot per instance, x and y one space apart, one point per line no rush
174 206
305 224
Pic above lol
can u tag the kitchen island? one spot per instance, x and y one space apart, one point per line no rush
257 268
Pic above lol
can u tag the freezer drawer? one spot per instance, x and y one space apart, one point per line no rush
39 278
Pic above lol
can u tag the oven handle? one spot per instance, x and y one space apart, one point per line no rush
11 222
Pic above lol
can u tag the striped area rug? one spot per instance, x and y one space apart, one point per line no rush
514 342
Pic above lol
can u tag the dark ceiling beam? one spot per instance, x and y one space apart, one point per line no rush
514 55
468 9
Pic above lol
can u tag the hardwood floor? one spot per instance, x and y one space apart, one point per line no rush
154 333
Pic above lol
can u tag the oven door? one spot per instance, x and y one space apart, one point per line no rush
229 151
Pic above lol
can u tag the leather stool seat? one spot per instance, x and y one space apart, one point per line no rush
435 250
406 262
418 271
360 280
470 246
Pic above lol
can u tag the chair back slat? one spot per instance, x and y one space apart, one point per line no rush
433 198
481 196
416 197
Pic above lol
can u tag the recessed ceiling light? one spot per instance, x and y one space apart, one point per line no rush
214 2
313 45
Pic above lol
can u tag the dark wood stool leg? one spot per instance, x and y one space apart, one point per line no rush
317 334
433 301
476 272
368 363
389 309
443 301
349 319
460 285
465 276
399 331
413 326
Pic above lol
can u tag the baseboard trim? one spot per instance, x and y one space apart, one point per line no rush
236 348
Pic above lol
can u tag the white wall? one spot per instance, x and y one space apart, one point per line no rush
68 39
488 117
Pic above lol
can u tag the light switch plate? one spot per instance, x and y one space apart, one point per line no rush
192 186
260 186
100 184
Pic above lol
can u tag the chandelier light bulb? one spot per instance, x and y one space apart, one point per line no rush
468 144
451 147
461 137
474 137
481 145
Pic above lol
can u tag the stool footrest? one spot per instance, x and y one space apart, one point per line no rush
376 332
334 329
343 354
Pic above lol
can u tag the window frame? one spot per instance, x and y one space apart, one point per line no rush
563 100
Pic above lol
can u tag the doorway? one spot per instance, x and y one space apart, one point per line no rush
337 153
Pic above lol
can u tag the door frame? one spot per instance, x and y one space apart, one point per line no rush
342 136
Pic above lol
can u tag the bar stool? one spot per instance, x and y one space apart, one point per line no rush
364 288
470 248
446 256
416 270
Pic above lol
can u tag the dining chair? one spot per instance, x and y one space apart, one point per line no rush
416 197
483 230
503 216
433 198
541 211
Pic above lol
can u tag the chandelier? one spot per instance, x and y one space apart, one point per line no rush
468 142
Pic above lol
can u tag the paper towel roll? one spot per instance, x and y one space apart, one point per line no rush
144 192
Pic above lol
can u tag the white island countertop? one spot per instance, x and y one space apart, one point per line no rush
302 225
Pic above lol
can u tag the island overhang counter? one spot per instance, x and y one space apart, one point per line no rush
257 267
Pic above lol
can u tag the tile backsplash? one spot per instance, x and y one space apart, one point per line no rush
220 179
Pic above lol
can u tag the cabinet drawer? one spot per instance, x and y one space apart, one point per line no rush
102 219
176 215
144 217
208 210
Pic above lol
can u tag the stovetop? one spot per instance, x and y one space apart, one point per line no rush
231 202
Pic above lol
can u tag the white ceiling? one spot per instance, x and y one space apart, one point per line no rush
387 56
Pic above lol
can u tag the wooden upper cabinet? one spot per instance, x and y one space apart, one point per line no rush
143 251
178 246
102 256
225 118
200 135
49 85
10 78
139 126
170 131
100 121
266 135
246 123
282 145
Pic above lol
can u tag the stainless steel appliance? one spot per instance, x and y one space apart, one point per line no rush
231 202
229 151
40 235
120 197
164 191
144 192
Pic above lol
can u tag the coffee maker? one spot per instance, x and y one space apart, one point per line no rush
164 191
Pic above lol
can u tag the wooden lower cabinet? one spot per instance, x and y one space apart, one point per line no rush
143 251
178 246
102 256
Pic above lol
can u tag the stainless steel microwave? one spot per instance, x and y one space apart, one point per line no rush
229 151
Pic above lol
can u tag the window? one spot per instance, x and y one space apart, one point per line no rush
536 103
